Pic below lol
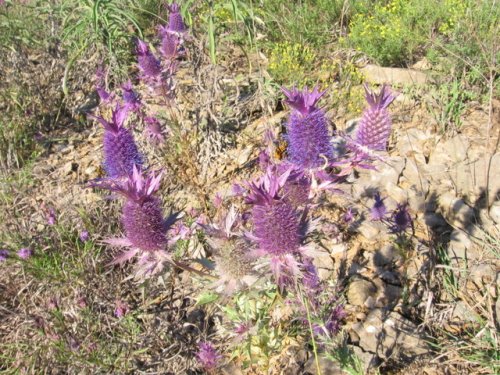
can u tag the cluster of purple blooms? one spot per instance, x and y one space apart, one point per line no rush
143 222
274 227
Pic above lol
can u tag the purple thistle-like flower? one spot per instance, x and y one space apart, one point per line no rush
208 356
276 220
307 130
154 130
120 150
84 236
310 278
25 253
169 45
374 128
401 219
378 210
142 218
148 63
4 254
278 226
142 214
175 21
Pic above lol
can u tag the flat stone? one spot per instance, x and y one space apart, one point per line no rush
371 229
461 247
456 212
359 291
390 335
380 75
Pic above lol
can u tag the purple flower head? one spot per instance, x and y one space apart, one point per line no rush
51 216
25 253
154 130
208 356
120 151
332 323
334 320
276 221
175 21
148 64
303 101
378 210
105 96
374 128
169 45
308 138
121 308
84 236
142 217
4 254
131 99
277 226
401 219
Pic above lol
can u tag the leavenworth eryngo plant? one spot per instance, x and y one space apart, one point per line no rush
262 233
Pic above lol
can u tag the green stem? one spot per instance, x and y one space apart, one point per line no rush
308 312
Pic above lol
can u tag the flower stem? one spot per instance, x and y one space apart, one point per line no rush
308 312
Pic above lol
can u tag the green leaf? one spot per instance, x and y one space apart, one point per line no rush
206 298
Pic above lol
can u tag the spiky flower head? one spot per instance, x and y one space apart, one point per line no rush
169 45
142 219
232 261
25 253
278 226
148 64
276 220
154 130
208 356
374 128
401 219
378 210
4 254
120 151
84 235
308 138
175 21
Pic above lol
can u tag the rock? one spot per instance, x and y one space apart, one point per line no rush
423 64
359 291
494 212
463 312
456 212
326 366
323 263
368 360
371 229
379 75
461 247
386 256
434 220
388 334
482 274
414 142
